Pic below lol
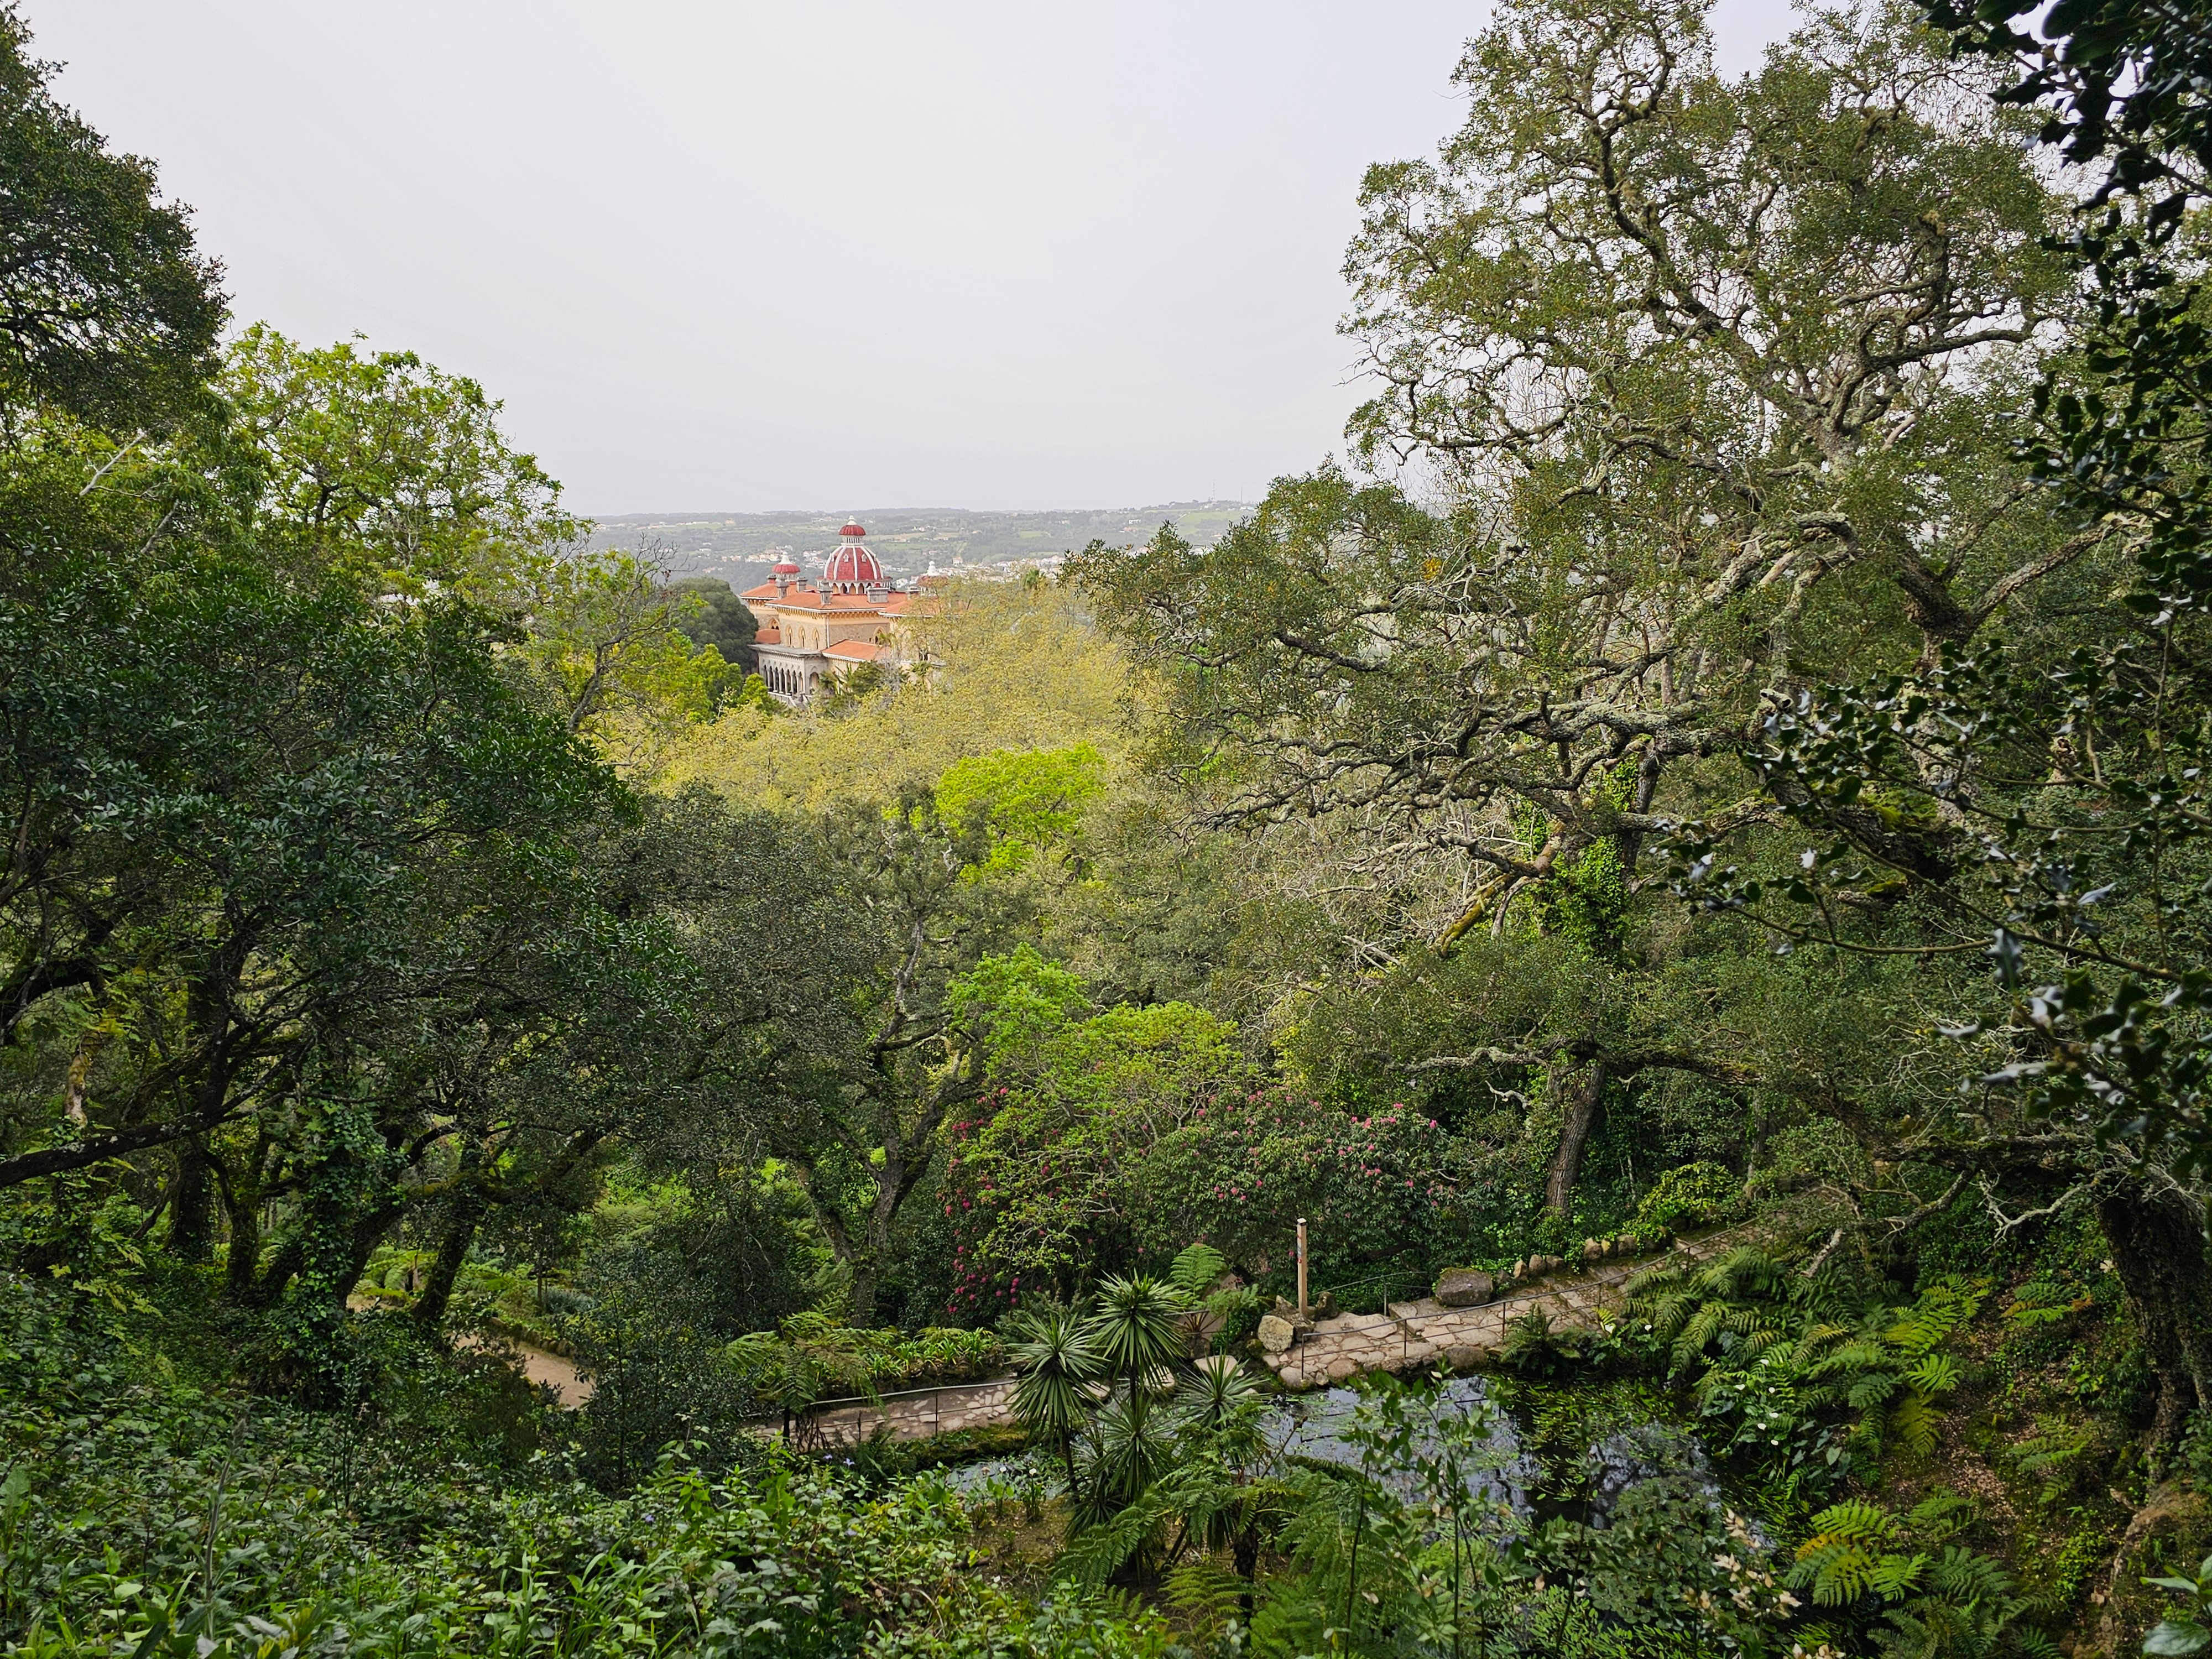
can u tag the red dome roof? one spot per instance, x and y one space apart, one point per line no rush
852 528
787 565
852 566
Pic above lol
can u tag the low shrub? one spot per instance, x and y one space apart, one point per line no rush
1694 1195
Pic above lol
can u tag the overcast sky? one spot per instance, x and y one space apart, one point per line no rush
720 254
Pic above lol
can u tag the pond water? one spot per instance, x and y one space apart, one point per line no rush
1500 1465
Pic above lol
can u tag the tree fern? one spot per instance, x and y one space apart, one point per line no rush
1206 1593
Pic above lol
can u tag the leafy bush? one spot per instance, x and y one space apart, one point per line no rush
1693 1195
140 1513
1862 1556
813 1357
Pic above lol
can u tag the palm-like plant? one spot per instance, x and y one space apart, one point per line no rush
1060 1366
1138 1327
1220 1398
1129 1449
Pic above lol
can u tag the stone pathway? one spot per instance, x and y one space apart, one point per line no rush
1422 1331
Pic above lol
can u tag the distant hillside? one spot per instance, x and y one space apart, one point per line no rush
908 540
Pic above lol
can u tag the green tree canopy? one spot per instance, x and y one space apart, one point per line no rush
108 311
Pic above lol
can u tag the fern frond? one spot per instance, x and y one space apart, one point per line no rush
1967 1575
1894 1575
1205 1590
1838 1572
1933 1374
1914 1422
1941 1514
1869 1389
1853 1520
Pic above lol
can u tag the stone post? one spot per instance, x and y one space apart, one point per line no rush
1302 1269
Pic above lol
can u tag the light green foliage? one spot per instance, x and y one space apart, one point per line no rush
396 475
1015 670
1014 1001
1196 1266
1693 1195
392 471
1032 801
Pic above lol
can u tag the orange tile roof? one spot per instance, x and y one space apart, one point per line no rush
891 604
768 636
855 650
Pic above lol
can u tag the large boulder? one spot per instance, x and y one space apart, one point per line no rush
1276 1334
1466 1287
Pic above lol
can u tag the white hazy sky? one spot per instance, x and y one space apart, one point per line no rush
817 253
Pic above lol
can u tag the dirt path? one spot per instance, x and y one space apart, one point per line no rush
554 1372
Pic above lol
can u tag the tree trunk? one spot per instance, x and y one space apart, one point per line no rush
452 1251
1577 1091
864 1289
191 1203
875 1243
241 1207
2157 1242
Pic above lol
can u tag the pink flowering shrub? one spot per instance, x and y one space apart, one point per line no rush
1373 1189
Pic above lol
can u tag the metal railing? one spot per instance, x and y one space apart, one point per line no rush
1402 1284
908 1413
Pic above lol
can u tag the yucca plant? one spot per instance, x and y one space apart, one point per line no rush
1060 1366
1130 1447
1137 1325
1218 1397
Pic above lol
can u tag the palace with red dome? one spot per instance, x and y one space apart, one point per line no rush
815 633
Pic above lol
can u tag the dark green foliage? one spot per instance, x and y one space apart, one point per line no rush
108 311
408 1530
2187 1626
1243 1171
723 620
